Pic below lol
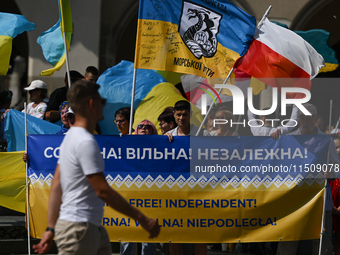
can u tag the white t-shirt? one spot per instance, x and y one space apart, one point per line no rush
80 156
38 111
193 131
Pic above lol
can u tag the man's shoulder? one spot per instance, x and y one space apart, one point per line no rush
61 90
173 131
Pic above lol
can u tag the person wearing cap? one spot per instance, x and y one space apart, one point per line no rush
38 92
308 127
63 109
58 96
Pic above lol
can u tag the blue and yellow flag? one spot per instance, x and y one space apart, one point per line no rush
12 181
199 37
318 38
52 40
10 26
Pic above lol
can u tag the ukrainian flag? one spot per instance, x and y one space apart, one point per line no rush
52 40
10 26
198 37
153 94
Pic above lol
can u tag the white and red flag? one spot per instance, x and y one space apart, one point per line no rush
281 58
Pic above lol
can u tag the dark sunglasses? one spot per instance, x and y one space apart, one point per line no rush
140 126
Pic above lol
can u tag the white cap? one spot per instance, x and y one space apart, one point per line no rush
335 131
36 84
69 110
311 108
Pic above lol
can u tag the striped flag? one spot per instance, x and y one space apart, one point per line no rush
10 26
281 58
203 38
52 40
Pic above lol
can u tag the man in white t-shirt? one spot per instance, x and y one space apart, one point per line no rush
75 207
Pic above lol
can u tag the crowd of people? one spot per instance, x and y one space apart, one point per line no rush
173 121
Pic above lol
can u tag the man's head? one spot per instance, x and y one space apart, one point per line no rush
85 100
307 122
123 120
182 112
224 114
74 75
91 74
167 120
37 90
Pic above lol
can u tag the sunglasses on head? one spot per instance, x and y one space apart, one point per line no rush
146 126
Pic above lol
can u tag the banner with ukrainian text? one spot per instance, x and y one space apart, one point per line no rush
198 37
201 189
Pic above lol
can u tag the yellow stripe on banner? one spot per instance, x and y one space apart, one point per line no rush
161 96
38 202
329 67
12 181
207 217
204 214
218 217
160 47
5 53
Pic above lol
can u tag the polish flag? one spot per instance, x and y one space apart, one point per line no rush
281 58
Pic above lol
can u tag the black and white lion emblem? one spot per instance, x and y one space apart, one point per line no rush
198 29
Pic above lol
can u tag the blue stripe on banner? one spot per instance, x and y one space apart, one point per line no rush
222 157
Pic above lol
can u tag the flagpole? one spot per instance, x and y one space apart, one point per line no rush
232 69
263 18
26 168
132 99
67 65
212 104
326 181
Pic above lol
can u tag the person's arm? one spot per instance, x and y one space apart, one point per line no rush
117 202
251 117
171 138
52 115
290 125
2 115
54 203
